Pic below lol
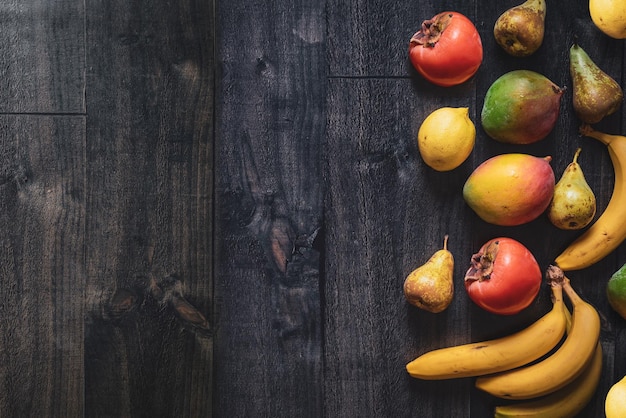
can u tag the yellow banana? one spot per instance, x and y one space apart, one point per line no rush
609 230
565 402
562 366
496 355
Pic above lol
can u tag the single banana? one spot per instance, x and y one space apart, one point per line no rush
496 355
565 402
562 366
609 230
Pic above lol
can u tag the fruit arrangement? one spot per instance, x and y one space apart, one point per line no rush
552 368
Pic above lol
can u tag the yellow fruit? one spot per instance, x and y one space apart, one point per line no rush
609 16
566 402
446 138
615 402
491 356
609 230
562 366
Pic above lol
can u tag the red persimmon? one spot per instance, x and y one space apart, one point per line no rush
447 50
504 277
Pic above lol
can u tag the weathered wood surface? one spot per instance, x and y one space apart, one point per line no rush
149 139
269 287
43 172
106 180
319 138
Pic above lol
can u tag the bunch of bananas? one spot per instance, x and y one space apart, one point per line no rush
549 381
609 230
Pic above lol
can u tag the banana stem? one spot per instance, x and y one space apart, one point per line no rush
557 292
606 139
571 294
555 275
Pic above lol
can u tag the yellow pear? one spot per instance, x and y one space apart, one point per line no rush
609 16
615 402
430 286
573 204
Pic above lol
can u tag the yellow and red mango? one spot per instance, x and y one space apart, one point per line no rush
510 189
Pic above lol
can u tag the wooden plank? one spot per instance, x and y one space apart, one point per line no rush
42 218
43 208
149 153
270 135
387 213
43 57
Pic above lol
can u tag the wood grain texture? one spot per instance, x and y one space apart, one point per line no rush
268 346
43 56
149 175
106 178
42 208
384 218
42 217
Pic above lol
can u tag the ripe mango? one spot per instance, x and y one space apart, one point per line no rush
510 189
521 107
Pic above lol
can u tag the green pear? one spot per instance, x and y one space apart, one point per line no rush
595 94
616 291
573 204
430 287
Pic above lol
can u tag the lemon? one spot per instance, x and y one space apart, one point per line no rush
446 138
615 402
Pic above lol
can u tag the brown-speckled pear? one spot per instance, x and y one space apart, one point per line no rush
573 205
595 94
431 287
520 29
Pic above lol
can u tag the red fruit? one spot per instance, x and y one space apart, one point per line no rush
447 50
504 277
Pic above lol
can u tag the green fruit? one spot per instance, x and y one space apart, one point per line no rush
521 107
595 94
616 291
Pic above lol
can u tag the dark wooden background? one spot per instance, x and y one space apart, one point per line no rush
208 208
